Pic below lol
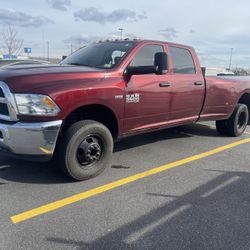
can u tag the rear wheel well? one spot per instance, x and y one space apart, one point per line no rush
97 113
245 99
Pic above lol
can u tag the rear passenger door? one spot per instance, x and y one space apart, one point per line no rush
188 87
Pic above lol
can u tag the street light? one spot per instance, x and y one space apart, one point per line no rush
47 50
121 30
230 60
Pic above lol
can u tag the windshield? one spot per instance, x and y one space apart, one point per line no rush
104 55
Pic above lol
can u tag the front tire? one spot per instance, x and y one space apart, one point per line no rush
236 124
85 150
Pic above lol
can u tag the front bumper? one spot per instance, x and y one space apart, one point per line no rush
33 139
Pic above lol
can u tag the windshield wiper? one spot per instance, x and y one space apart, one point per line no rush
84 65
78 64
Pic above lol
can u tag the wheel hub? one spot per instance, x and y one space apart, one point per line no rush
89 151
93 152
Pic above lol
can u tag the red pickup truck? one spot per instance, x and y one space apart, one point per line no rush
108 90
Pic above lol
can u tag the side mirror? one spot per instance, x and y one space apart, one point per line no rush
64 57
161 63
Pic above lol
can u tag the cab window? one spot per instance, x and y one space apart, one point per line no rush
182 61
146 55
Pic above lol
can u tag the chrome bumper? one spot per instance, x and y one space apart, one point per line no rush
23 138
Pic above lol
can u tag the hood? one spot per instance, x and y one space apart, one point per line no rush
23 78
34 69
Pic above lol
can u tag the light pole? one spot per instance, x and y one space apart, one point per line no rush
43 42
47 50
230 60
121 30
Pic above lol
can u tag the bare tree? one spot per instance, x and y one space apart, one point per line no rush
11 42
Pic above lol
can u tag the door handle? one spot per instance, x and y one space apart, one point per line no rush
164 84
198 83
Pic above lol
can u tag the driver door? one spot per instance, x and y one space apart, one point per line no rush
147 95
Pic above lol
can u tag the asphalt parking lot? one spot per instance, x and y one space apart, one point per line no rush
182 188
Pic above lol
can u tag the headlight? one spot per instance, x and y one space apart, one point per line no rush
33 104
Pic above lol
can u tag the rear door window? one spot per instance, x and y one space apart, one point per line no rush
182 61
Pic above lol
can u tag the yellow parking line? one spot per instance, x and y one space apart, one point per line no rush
93 192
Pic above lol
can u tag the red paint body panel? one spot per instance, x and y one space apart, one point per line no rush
183 102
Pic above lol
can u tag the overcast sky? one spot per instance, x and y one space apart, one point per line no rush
211 27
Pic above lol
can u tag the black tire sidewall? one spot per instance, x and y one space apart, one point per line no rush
229 126
240 109
74 136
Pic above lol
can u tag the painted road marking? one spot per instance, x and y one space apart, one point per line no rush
220 186
95 191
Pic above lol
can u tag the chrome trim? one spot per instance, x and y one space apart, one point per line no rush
10 101
30 138
3 100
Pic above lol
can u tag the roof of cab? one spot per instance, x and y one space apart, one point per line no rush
146 41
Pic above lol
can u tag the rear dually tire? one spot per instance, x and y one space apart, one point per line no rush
236 124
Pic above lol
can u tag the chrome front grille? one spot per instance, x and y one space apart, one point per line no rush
8 110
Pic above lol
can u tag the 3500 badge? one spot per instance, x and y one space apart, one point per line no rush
133 98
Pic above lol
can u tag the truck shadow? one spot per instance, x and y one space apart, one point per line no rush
45 173
14 170
215 215
185 131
